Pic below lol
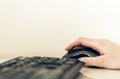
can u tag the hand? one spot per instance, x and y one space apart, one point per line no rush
110 52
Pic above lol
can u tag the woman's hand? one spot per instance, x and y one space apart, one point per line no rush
110 52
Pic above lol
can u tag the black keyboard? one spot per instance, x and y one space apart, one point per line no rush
40 68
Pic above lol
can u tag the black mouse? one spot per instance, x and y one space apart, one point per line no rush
81 52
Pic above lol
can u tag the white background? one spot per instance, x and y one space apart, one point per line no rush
45 27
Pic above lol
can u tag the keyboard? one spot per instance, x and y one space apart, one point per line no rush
40 68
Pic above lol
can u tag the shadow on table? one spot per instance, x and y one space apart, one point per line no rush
81 76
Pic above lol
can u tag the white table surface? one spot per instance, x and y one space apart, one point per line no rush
101 73
95 73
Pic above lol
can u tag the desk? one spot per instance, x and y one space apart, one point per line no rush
95 73
101 73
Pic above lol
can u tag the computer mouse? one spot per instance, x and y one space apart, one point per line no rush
81 52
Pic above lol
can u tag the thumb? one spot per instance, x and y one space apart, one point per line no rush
93 61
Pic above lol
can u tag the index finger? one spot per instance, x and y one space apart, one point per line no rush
82 42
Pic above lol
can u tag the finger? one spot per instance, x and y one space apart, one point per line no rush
94 61
84 42
76 43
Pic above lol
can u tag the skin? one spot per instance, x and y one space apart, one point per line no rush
110 52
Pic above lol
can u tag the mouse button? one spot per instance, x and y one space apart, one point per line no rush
73 51
81 55
94 52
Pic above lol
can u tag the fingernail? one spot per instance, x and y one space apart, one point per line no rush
66 49
81 59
